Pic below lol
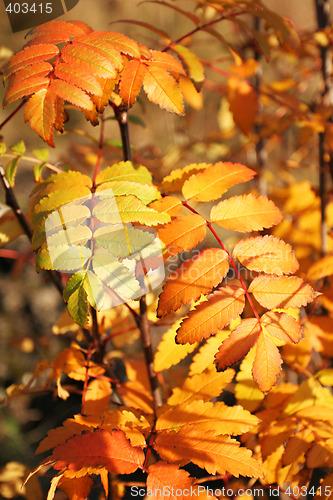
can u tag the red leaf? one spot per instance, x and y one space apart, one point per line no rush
99 449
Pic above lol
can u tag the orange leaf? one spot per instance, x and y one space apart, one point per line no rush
97 399
194 277
169 204
162 89
98 449
203 386
243 103
215 181
321 269
76 488
131 81
238 343
165 61
282 326
183 233
224 305
266 253
40 112
77 76
216 454
90 59
246 213
57 31
175 180
206 416
71 93
29 56
267 363
281 291
60 435
19 87
166 478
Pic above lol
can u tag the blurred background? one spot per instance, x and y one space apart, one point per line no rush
29 306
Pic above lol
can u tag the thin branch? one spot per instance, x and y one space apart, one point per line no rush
323 11
231 260
11 201
13 113
142 319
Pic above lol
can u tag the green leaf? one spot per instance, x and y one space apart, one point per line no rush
42 154
115 144
11 169
37 170
69 258
136 120
67 216
128 209
122 242
94 289
73 284
77 304
125 171
145 193
73 235
19 148
3 148
117 277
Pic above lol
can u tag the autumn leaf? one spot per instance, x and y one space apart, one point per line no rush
169 204
97 398
162 89
175 180
40 113
131 81
281 291
98 449
204 386
168 352
163 476
194 277
206 416
183 233
267 363
241 95
266 253
204 358
238 343
215 181
224 305
216 454
321 269
246 213
76 488
282 326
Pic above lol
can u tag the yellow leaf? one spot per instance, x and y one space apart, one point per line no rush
247 393
321 269
246 213
203 386
266 253
204 359
168 352
225 454
215 180
281 291
162 89
175 180
267 363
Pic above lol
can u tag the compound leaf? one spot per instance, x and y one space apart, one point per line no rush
194 277
215 181
246 213
223 305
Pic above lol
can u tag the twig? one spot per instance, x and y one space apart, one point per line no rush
13 113
323 10
100 151
11 201
142 319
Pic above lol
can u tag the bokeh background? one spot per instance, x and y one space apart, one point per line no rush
29 306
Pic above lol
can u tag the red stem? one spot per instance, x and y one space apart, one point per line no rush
232 262
13 113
